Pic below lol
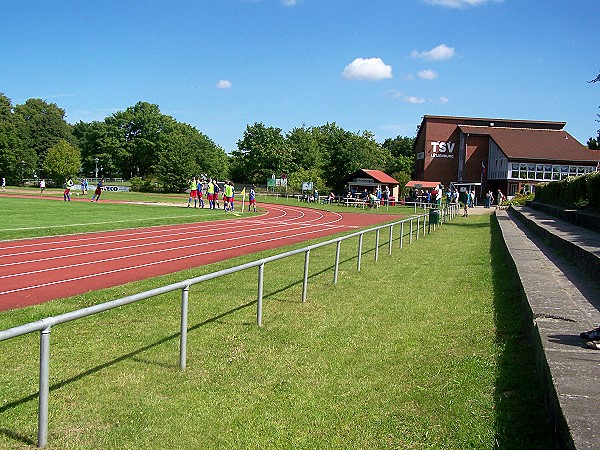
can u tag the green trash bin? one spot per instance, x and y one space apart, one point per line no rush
434 218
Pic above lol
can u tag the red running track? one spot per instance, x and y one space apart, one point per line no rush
34 271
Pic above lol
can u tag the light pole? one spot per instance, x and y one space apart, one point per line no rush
96 161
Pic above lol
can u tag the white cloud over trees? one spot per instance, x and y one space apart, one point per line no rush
371 69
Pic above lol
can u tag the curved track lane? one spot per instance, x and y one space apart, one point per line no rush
34 271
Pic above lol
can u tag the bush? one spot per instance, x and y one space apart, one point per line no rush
572 192
593 189
140 185
518 200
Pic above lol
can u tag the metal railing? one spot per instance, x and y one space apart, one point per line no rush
45 325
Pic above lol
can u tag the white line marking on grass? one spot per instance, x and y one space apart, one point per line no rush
148 264
95 223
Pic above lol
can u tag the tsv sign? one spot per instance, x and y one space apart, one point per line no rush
441 149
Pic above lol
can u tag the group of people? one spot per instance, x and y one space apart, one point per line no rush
84 189
212 188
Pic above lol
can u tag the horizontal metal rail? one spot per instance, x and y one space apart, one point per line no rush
45 325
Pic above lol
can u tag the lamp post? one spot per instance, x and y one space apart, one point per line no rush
96 161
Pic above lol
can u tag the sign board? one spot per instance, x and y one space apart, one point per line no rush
307 185
115 188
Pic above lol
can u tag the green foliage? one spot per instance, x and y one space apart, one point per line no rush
63 161
41 126
402 178
593 189
402 155
572 192
519 200
262 152
16 160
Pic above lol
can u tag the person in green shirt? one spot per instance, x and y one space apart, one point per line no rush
193 192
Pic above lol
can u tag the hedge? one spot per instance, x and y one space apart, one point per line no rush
572 192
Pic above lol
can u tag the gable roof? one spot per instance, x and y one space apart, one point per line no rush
538 144
380 176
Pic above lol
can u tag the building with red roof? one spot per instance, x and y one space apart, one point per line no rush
371 179
492 154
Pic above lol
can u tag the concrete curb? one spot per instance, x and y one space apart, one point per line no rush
558 301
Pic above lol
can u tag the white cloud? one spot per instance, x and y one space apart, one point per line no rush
367 69
443 100
289 2
438 53
427 74
460 3
224 84
414 100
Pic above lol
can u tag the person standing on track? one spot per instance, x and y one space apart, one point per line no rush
252 197
98 191
42 185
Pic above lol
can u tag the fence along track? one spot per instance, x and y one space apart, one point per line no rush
45 325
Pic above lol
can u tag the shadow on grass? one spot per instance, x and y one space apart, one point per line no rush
135 355
521 419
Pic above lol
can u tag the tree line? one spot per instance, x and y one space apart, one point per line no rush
158 152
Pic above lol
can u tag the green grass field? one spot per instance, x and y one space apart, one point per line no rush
426 348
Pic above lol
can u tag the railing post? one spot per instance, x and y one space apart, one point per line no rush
401 233
184 320
418 228
424 223
411 231
360 241
305 282
391 239
337 262
377 245
44 386
261 274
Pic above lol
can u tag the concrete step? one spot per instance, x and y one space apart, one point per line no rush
562 302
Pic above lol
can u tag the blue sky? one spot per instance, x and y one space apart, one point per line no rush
377 65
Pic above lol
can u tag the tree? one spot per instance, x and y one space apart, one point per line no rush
95 142
346 152
402 154
16 162
62 161
304 149
262 152
41 126
132 138
184 152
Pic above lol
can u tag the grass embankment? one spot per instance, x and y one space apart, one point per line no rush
29 217
424 349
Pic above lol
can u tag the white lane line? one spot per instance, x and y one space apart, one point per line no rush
106 260
149 264
151 244
111 235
